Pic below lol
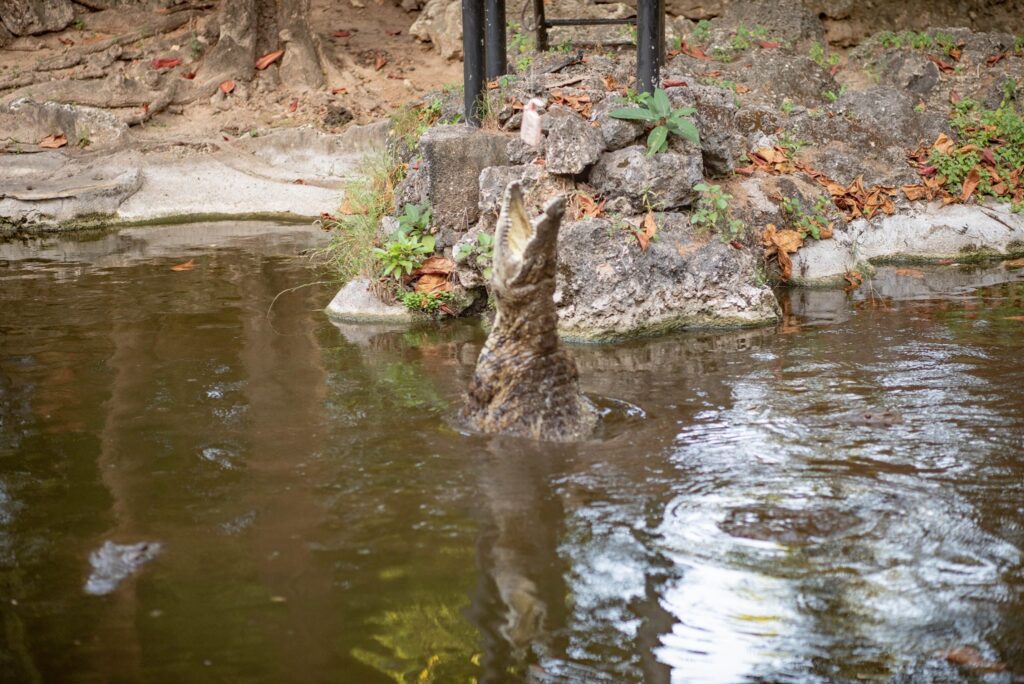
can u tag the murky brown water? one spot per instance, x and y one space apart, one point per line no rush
320 519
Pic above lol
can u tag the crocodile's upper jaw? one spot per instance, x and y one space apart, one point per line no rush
524 251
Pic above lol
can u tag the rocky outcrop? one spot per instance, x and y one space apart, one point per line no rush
663 181
26 17
608 288
454 157
356 302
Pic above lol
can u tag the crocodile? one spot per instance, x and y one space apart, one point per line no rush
525 384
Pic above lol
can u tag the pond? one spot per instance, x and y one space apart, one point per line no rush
840 498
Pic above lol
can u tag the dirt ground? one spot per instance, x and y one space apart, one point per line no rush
373 65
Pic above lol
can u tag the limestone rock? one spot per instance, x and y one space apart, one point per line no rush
572 144
25 17
716 121
609 289
617 133
666 180
892 111
113 563
24 122
440 23
786 20
455 156
356 302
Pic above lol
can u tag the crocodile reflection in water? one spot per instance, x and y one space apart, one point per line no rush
524 383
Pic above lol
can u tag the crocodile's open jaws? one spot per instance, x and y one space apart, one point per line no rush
524 383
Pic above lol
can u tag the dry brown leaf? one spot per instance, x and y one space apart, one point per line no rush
1013 318
855 280
52 142
916 192
379 63
1014 263
650 229
740 88
184 266
970 184
970 657
431 282
227 86
944 144
268 59
435 265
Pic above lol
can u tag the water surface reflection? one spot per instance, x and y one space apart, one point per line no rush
323 517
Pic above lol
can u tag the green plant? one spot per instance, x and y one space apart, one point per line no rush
787 106
428 302
817 55
415 219
723 54
744 37
790 145
482 250
832 95
1018 45
946 42
888 39
656 109
919 107
83 139
78 25
701 32
712 213
997 132
807 222
410 122
920 41
195 47
368 198
565 47
402 253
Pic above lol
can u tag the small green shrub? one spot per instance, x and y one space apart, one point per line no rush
415 219
428 302
402 253
787 106
817 55
656 109
1000 130
807 222
482 252
712 213
701 32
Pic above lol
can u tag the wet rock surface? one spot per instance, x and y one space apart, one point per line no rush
113 563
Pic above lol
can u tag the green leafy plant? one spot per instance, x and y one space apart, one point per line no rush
790 145
818 56
415 219
832 95
744 38
787 106
946 42
712 213
195 47
656 109
997 132
807 222
482 251
1018 45
701 32
888 39
402 253
428 302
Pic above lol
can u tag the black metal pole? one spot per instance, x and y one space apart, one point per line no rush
661 33
473 62
494 40
647 45
541 30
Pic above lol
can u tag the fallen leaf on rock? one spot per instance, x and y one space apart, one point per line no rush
970 657
339 91
992 60
674 83
780 244
944 144
227 86
954 97
988 157
327 216
293 106
650 229
435 265
916 192
184 266
944 67
66 41
268 59
1014 263
855 280
768 44
393 32
52 142
1013 318
589 207
745 170
341 34
735 244
165 63
970 184
298 181
580 104
909 273
431 282
694 52
740 88
190 75
379 63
